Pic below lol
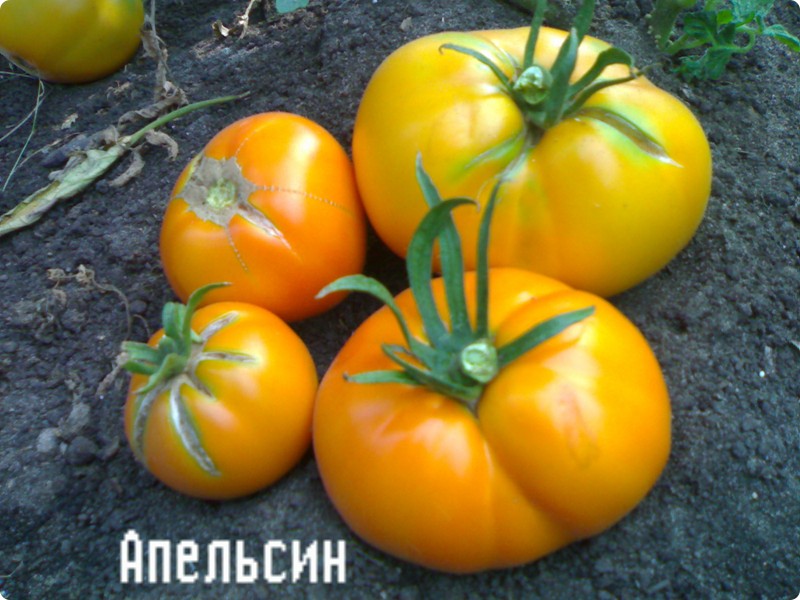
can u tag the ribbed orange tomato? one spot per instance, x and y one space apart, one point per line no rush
524 414
270 206
563 442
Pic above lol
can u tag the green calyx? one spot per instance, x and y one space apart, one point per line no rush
458 358
170 366
545 95
171 356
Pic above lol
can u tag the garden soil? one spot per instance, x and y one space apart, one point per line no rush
722 522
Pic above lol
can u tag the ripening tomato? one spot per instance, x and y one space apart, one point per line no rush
70 41
600 196
560 444
230 412
271 206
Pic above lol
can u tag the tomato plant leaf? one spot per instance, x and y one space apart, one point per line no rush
780 34
718 33
287 6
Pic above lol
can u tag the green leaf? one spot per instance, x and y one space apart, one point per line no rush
287 6
746 10
780 34
79 174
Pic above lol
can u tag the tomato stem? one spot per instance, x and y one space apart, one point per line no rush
222 194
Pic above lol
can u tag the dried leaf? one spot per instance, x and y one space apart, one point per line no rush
162 140
220 29
85 167
154 110
133 170
81 171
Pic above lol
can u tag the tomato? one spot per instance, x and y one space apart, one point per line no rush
70 41
235 414
271 206
562 443
601 199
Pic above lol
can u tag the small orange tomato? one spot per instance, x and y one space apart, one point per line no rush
226 409
271 206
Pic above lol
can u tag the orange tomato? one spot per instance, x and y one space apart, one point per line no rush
563 443
271 206
237 417
70 41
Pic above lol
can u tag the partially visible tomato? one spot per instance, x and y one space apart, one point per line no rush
563 443
231 412
271 206
601 198
70 41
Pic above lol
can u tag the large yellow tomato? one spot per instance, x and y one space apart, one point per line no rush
270 206
601 199
561 444
221 400
70 41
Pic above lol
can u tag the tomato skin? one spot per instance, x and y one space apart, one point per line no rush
567 439
256 427
70 41
302 182
585 204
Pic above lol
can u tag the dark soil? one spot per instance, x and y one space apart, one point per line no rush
723 521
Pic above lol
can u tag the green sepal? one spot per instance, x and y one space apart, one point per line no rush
450 256
484 60
170 356
419 259
374 288
438 382
540 334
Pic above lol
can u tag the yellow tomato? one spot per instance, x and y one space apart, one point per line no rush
563 442
70 41
601 200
